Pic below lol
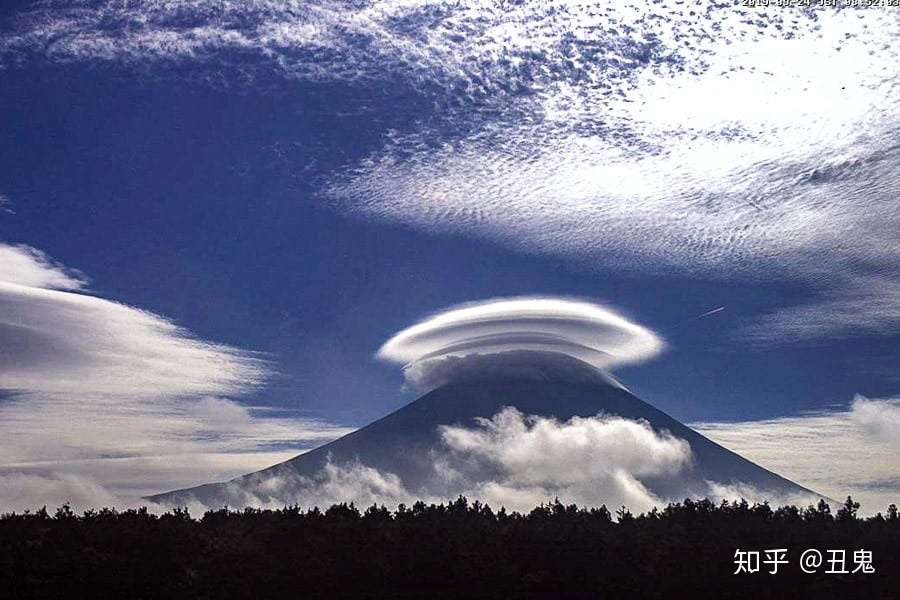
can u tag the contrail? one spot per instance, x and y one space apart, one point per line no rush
706 314
710 312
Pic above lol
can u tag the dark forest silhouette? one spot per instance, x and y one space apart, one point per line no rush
454 550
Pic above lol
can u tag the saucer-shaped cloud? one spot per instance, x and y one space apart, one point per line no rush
582 330
55 340
102 402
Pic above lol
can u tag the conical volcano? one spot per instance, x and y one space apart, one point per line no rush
406 442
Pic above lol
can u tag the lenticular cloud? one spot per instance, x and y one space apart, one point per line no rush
98 399
582 330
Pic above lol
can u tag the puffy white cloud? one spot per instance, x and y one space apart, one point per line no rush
879 419
520 461
851 451
586 460
101 390
510 460
585 331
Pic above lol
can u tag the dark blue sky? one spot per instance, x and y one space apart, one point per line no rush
204 203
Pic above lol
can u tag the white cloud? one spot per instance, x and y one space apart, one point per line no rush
333 484
879 419
20 492
510 460
340 483
220 414
734 492
42 428
56 341
585 460
722 162
852 451
29 267
635 135
89 382
129 478
585 331
865 305
526 365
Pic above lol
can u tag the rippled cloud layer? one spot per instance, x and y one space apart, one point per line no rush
707 138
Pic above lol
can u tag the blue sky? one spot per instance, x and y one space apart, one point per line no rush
306 197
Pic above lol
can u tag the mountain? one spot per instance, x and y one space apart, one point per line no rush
404 442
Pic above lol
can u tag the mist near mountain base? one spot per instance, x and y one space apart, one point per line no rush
511 460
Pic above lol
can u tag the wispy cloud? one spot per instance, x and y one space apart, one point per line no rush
854 450
651 136
20 492
28 267
90 383
864 305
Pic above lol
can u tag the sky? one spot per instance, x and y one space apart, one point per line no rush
214 214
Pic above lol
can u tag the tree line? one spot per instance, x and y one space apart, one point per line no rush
458 549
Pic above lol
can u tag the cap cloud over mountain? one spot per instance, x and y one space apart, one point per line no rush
232 232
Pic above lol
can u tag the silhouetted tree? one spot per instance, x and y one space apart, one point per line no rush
821 513
454 550
848 511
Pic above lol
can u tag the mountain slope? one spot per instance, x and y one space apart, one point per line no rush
404 441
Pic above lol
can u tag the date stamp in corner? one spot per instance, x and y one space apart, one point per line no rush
820 3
